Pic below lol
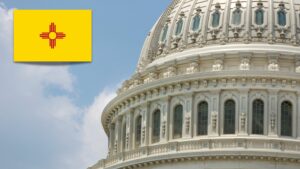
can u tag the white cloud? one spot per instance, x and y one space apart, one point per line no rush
39 129
94 144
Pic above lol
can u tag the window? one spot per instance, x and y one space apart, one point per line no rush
229 117
156 127
215 19
124 136
196 23
286 119
258 117
138 130
202 118
236 17
177 122
164 33
179 26
281 16
259 17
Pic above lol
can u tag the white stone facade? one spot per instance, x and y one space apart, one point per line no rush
214 63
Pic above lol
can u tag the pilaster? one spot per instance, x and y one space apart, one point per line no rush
271 22
187 133
167 134
118 137
243 112
165 102
227 12
214 127
111 139
293 22
273 113
298 116
131 130
145 125
206 22
248 21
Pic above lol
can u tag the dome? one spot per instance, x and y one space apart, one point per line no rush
217 86
193 27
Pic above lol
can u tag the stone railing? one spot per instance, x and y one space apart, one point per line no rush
205 145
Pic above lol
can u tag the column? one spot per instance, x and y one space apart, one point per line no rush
248 21
297 122
271 22
165 119
117 143
227 12
146 125
130 130
187 127
111 139
214 114
293 23
273 113
206 20
243 113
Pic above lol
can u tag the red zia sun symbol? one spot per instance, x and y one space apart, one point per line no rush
52 35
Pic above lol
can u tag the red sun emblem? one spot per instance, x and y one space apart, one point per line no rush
52 35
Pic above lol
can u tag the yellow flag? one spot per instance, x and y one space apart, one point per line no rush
52 35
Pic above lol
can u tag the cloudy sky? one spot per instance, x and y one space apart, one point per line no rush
50 113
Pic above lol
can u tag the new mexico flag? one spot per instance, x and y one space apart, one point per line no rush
52 35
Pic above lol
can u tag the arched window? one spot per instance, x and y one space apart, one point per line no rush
237 17
229 117
177 121
215 19
179 26
281 16
164 33
138 130
286 118
196 23
156 127
258 117
259 17
202 118
124 136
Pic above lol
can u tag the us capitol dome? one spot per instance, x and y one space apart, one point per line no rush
217 86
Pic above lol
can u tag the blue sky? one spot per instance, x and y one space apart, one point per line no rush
49 114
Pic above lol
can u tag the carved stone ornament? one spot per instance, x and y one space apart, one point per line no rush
245 65
218 66
171 71
193 68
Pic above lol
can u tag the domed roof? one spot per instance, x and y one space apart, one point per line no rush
217 80
199 27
